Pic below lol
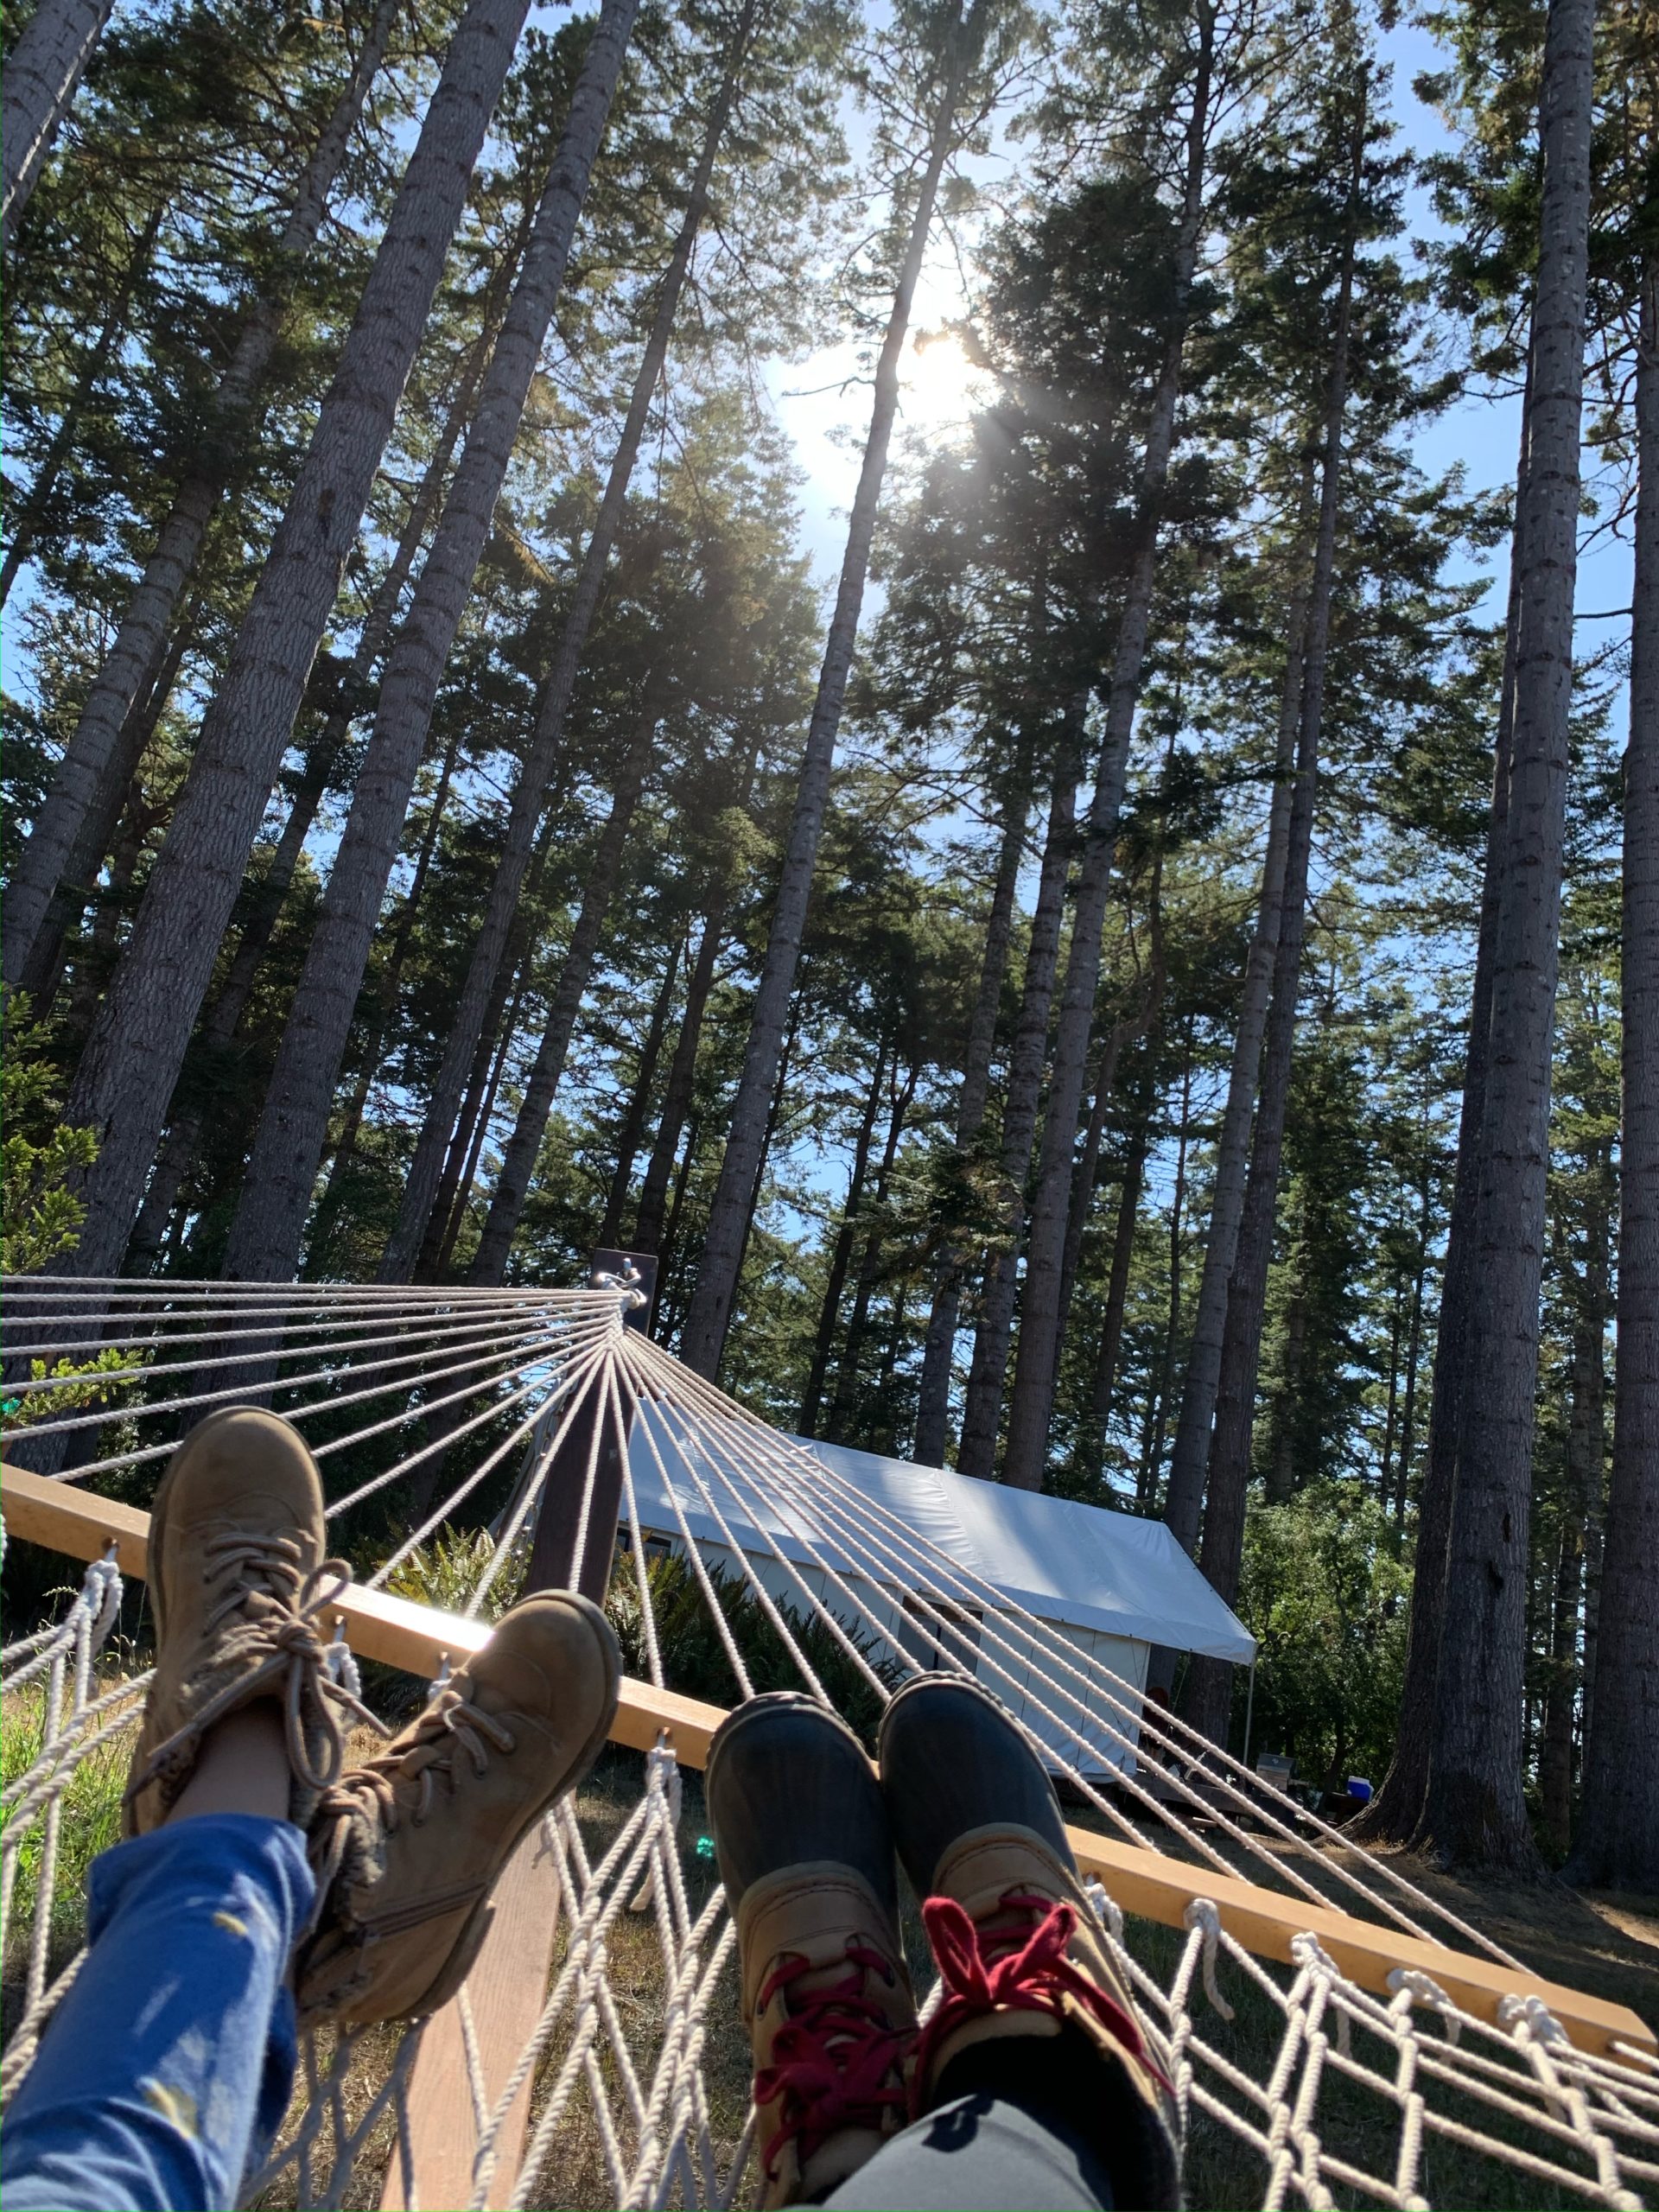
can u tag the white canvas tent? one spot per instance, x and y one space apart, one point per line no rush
1111 1585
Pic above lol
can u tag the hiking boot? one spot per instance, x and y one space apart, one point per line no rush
237 1578
1020 1953
806 1857
406 1848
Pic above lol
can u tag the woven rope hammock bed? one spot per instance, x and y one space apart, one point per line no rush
1334 2032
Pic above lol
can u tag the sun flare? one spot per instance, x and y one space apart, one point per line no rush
941 384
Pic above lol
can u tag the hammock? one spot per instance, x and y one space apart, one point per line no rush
1335 2036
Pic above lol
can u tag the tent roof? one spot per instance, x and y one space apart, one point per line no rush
1079 1564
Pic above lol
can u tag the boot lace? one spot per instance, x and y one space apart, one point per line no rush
837 2061
1020 1964
267 1608
367 1798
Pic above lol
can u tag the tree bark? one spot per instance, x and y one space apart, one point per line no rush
518 1162
42 72
509 986
270 1220
1117 1283
840 1256
131 1061
1120 1034
1618 1835
1555 1735
1190 1461
529 795
42 976
1165 1382
462 1195
994 1330
1032 1398
1207 1697
1392 1812
387 995
638 1107
681 1074
330 743
141 640
1475 1810
939 1350
869 1266
703 1337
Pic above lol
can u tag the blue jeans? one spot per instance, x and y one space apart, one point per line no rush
166 2070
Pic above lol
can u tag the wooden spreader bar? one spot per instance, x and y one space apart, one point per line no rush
1144 1882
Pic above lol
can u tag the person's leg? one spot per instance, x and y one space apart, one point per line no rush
168 2066
806 1857
1034 2086
1008 2132
1034 2074
170 2060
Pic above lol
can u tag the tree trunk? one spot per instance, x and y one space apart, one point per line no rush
1177 1238
131 1061
703 1337
1117 1283
518 1162
508 991
774 1115
681 1074
149 613
869 1266
1190 1461
1032 1398
1414 1358
1120 1034
1555 1745
42 71
1475 1810
664 1332
1207 1697
42 973
639 1108
840 1256
529 795
983 1406
939 1350
387 995
480 1132
1618 1835
330 743
66 435
270 1220
1392 1812
98 956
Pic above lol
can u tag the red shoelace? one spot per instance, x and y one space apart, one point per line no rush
1022 1968
837 2062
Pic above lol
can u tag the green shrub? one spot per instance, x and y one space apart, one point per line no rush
445 1571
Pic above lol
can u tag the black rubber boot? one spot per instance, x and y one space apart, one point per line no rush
801 1835
1025 1962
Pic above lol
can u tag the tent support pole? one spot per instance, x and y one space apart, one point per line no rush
1249 1713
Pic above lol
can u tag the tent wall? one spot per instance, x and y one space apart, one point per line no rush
1037 1663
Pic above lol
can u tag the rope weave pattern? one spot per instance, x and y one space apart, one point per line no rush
1324 2093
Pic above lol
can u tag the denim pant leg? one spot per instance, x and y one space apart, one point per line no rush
167 2068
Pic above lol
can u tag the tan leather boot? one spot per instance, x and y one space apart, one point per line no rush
406 1848
1020 1951
238 1578
807 1860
